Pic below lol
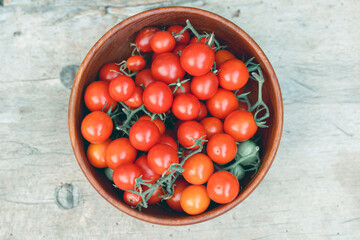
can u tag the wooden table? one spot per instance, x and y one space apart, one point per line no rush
313 188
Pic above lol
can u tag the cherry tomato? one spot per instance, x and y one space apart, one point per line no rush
203 40
194 199
223 55
143 38
160 124
184 38
188 131
186 107
160 157
96 127
97 96
121 88
240 125
96 154
197 59
147 172
186 87
197 169
178 49
124 176
144 134
135 63
135 100
166 67
212 126
162 42
157 97
131 199
205 86
203 112
167 140
233 74
222 103
243 106
174 202
144 78
155 196
120 152
109 71
222 187
221 148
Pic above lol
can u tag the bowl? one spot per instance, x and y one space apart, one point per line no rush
114 46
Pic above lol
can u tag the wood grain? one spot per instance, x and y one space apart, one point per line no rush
311 191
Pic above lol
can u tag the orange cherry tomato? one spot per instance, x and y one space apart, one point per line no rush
197 169
96 154
194 199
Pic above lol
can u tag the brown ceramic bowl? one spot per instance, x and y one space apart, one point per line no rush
114 46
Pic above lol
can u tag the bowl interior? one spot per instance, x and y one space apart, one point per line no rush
114 46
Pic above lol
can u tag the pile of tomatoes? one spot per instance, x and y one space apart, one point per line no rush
167 123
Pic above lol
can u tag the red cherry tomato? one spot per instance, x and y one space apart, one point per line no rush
143 38
160 124
186 107
120 152
167 140
222 103
233 74
243 106
135 100
194 199
144 134
178 49
162 42
96 127
97 96
124 176
155 196
147 172
197 59
184 38
109 71
212 126
131 199
157 97
188 131
160 157
222 187
221 148
240 125
197 169
96 154
144 78
166 67
121 88
135 63
223 55
205 86
203 40
203 112
186 87
174 202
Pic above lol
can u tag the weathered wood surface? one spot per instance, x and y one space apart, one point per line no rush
313 188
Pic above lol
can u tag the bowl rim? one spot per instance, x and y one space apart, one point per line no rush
255 181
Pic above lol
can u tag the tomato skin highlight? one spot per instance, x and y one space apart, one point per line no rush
96 127
186 107
135 100
188 130
198 169
162 42
144 134
142 39
135 63
120 152
221 148
109 71
124 176
223 55
147 172
204 86
167 140
223 187
212 126
197 59
233 74
240 125
121 88
166 67
144 78
157 97
174 202
96 154
222 103
184 38
160 157
194 199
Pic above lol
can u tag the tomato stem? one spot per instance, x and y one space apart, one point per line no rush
179 84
